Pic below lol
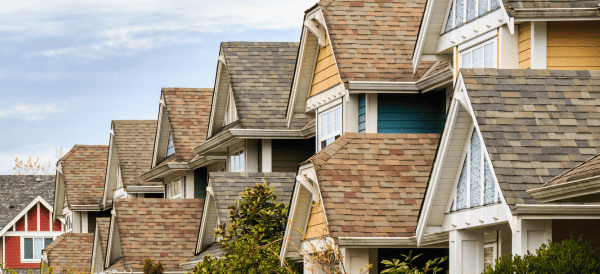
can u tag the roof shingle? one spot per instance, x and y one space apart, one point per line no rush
70 250
19 191
84 171
135 143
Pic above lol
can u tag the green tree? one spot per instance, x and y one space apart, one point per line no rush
405 267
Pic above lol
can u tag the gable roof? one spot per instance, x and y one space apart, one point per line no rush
261 75
536 124
84 172
165 229
374 40
70 250
188 110
134 140
20 190
372 185
228 186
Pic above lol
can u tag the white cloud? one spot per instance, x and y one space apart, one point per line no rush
29 112
96 29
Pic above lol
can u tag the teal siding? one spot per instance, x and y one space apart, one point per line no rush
411 113
200 182
362 113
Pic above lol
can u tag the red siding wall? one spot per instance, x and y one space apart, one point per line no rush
32 219
13 254
56 226
21 224
44 218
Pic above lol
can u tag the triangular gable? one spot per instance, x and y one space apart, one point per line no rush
317 225
219 100
162 134
23 212
456 165
210 221
231 110
113 248
326 73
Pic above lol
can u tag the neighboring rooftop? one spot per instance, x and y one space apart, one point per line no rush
134 140
372 185
103 228
20 190
536 124
161 229
70 250
84 172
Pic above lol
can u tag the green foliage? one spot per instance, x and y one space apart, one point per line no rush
569 257
150 268
400 267
253 239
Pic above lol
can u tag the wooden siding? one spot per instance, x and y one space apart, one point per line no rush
20 226
45 218
326 72
288 154
525 45
411 113
13 254
317 226
573 45
32 219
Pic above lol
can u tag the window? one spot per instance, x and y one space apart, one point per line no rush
32 247
68 225
175 189
467 11
170 146
236 161
119 179
476 185
480 56
330 126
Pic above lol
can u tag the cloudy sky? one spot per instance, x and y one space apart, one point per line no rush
69 67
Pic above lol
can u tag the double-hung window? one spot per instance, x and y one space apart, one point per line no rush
480 56
330 126
236 161
175 189
32 247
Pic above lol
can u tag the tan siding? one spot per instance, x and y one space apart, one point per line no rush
525 45
317 226
573 45
326 72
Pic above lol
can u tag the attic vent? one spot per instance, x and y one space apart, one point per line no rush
11 206
38 179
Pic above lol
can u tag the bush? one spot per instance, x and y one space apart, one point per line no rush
571 256
398 267
150 268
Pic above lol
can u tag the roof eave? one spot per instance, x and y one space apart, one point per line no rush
540 209
156 175
567 190
241 133
554 14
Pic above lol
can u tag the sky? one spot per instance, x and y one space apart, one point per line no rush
69 67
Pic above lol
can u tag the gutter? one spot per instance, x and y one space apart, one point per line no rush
86 207
425 84
163 171
145 189
428 239
554 12
206 160
567 190
240 133
525 209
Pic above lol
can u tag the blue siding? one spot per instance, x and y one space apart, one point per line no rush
362 113
411 113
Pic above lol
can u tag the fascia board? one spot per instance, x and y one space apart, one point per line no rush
422 35
24 211
240 133
297 69
440 79
107 183
164 171
588 210
161 107
145 189
207 160
86 207
566 190
355 87
213 110
202 230
213 143
58 193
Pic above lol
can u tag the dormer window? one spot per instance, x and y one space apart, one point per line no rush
330 126
170 146
468 10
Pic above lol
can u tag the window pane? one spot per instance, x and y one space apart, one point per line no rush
338 119
471 10
170 146
38 245
483 7
489 55
490 187
329 122
329 141
236 162
495 4
241 166
450 20
475 170
478 58
28 248
323 123
461 190
466 60
460 12
47 241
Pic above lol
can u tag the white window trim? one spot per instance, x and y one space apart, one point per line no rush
242 155
22 257
119 183
478 45
180 181
318 124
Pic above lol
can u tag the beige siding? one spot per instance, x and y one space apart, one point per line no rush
573 45
525 45
326 72
317 226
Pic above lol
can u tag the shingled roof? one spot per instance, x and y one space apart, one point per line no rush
188 110
586 170
84 172
374 40
70 250
161 229
372 185
19 191
261 75
536 124
228 186
134 140
103 228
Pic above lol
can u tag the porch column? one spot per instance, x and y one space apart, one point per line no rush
466 251
530 235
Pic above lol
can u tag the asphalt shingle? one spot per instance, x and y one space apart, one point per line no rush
84 171
135 143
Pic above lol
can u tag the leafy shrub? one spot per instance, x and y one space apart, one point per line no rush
398 267
571 256
150 268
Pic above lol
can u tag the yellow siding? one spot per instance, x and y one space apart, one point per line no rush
317 226
326 72
573 45
525 45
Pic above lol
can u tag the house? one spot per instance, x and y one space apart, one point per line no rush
160 229
130 155
69 253
79 189
182 123
26 224
223 190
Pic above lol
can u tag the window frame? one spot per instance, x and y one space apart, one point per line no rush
480 45
119 183
336 134
242 155
22 257
169 188
169 143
